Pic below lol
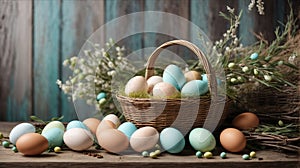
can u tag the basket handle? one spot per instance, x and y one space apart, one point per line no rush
212 82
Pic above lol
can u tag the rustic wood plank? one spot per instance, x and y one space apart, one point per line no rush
15 60
79 20
46 58
199 16
246 27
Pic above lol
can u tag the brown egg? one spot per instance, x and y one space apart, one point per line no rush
192 75
92 124
245 121
233 140
113 140
32 144
104 125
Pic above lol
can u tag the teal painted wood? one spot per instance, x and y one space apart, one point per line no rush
15 60
117 8
79 20
199 15
46 58
246 28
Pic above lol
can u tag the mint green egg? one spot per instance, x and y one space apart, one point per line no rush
174 76
194 88
202 140
54 124
54 137
172 140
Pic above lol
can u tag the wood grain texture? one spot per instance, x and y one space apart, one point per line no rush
199 16
46 58
15 60
79 20
246 27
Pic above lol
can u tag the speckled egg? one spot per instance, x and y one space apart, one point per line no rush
76 124
144 138
202 140
164 90
78 139
20 130
172 140
174 76
135 85
92 124
233 140
192 75
153 80
32 144
194 88
128 128
245 121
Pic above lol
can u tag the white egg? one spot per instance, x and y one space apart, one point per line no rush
153 80
20 130
113 118
78 139
136 84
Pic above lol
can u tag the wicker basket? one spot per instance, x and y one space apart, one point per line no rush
184 113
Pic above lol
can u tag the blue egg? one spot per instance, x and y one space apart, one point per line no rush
127 128
54 137
204 78
76 124
172 140
174 76
194 88
101 96
254 56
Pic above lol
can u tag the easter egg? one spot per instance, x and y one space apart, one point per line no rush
172 140
144 138
174 76
32 144
100 96
20 130
54 124
113 140
194 88
202 140
113 118
54 137
192 75
164 90
232 140
78 139
128 128
92 124
245 121
153 80
135 85
76 124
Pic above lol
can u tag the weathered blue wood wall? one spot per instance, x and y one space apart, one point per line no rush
37 35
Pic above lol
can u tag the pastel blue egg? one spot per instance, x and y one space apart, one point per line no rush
20 130
254 56
202 140
194 88
172 140
127 128
174 76
204 78
76 124
101 96
54 137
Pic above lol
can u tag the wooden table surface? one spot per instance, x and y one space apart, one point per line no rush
68 158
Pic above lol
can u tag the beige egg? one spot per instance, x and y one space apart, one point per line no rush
144 139
136 84
164 90
113 140
192 75
153 80
113 118
78 139
32 144
104 125
245 121
92 124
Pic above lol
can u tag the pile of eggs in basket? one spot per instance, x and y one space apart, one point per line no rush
115 137
172 83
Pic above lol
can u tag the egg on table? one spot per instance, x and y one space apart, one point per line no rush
233 140
164 90
135 85
245 121
144 138
20 130
172 140
54 137
192 75
113 140
32 144
54 124
92 124
128 128
153 80
76 124
202 140
174 76
78 139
